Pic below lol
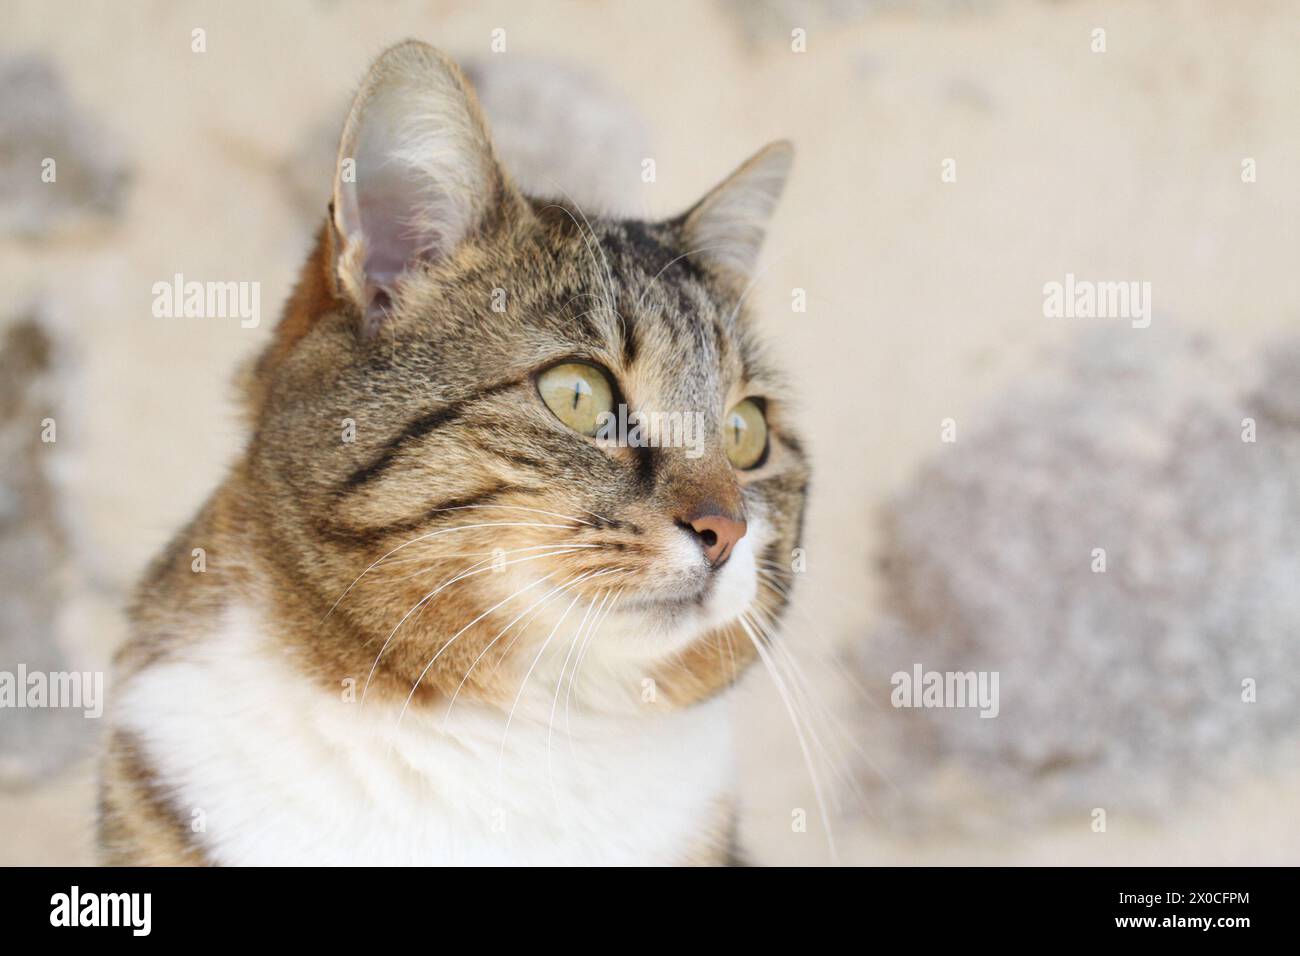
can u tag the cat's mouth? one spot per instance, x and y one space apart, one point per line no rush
689 601
699 597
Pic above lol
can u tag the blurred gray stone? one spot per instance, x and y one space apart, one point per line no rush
1123 689
558 131
39 123
765 21
562 131
33 554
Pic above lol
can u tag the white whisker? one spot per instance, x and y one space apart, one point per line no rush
582 653
474 569
536 605
435 534
416 685
550 727
787 701
527 674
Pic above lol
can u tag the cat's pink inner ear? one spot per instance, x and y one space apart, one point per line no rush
416 173
392 241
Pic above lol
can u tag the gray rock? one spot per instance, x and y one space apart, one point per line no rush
562 131
1122 689
766 21
39 123
33 554
558 130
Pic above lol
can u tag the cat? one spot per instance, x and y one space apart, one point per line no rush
434 619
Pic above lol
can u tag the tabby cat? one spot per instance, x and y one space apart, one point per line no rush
442 615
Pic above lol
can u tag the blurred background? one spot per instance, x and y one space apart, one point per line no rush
971 454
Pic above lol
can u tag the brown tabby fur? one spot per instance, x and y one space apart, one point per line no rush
450 432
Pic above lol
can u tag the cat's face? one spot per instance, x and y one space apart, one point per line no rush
507 438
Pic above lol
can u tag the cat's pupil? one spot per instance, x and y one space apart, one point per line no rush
577 394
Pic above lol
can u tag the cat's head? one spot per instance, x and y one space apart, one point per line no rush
446 454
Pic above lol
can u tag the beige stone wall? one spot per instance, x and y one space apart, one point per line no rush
924 298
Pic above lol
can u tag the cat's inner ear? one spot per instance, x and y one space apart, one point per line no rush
416 174
725 229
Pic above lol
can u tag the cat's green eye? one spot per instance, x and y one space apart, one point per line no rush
578 394
745 434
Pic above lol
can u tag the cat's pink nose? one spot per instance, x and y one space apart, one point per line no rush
717 535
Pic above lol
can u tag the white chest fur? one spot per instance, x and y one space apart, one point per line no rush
278 771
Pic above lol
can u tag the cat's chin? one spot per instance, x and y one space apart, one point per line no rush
671 619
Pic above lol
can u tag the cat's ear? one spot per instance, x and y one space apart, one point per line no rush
416 176
726 228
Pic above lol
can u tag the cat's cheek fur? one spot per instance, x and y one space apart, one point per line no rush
625 663
282 771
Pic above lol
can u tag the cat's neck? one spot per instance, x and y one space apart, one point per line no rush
242 735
